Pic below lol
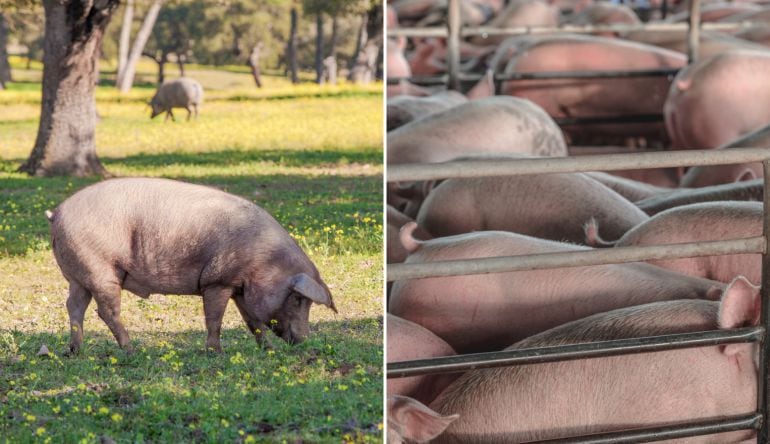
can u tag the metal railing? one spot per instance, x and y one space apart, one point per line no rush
454 31
612 162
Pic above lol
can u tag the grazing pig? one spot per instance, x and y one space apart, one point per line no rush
586 396
567 98
548 206
178 93
716 100
162 236
702 176
708 221
411 421
404 109
489 312
749 190
408 341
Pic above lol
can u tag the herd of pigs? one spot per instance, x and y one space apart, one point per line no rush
718 102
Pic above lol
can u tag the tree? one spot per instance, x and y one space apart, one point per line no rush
65 143
291 47
5 67
127 70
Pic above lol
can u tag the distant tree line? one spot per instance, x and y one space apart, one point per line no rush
75 35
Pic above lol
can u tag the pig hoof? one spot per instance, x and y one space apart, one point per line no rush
71 351
128 349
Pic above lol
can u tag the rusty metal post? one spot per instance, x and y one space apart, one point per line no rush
693 32
453 44
764 349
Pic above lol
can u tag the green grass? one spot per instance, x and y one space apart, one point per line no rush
312 157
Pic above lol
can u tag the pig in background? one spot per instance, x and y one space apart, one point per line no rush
488 312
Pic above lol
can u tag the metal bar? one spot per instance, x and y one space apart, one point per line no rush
608 120
663 9
693 31
485 31
694 428
547 75
541 261
540 355
605 162
763 397
454 26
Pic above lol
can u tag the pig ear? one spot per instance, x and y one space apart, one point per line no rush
746 174
311 289
740 304
415 421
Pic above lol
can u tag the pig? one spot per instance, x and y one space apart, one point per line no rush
586 396
717 99
162 236
750 190
632 190
177 93
716 12
408 341
412 421
702 176
709 44
489 312
520 13
709 221
549 206
566 98
395 252
604 13
404 109
489 125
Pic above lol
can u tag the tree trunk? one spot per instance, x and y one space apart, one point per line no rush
125 40
330 70
125 83
319 47
161 61
254 64
65 143
335 37
360 43
5 67
180 61
291 49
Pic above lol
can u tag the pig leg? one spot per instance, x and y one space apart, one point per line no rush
189 113
108 307
214 305
77 303
257 328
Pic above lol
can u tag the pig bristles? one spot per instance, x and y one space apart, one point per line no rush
591 230
406 236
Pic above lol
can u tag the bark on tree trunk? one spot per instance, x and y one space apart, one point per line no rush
291 49
360 43
319 48
254 64
5 67
125 83
335 37
125 40
65 143
180 61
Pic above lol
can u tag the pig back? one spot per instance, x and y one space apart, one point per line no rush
174 228
548 206
560 399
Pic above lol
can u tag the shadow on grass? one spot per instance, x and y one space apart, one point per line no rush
170 389
289 158
299 202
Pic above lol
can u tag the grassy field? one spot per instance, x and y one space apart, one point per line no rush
312 156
